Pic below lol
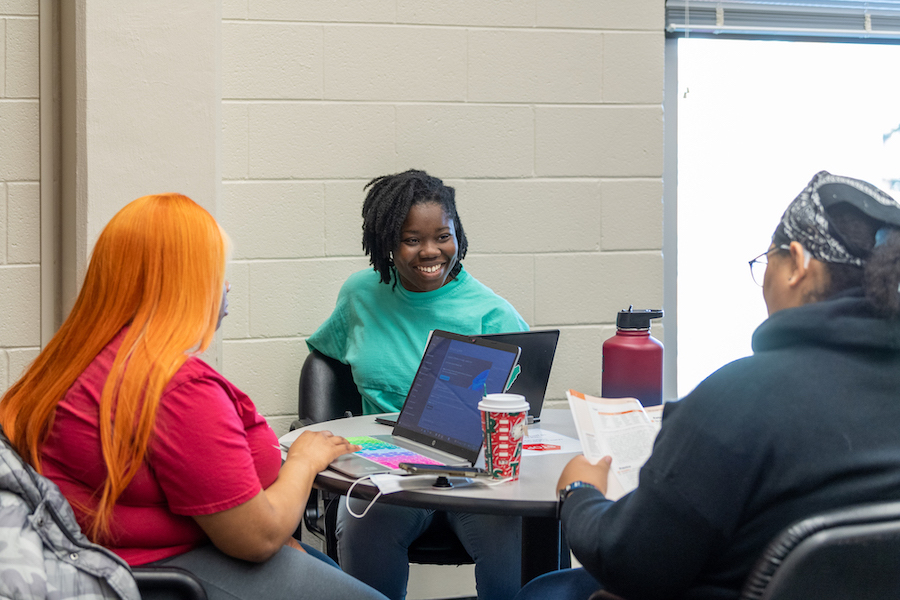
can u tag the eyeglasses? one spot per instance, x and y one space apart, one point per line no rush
759 264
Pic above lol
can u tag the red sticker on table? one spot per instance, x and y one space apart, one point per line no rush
541 447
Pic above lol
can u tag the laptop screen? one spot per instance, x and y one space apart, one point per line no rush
456 371
538 348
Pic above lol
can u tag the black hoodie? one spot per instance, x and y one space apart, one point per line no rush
809 422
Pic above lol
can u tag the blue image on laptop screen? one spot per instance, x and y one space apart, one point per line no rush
452 379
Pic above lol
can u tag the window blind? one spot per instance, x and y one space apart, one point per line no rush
829 19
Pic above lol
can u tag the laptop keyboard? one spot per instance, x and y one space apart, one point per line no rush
388 454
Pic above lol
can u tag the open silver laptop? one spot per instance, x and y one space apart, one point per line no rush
440 422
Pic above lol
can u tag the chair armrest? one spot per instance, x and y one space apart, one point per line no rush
172 582
298 423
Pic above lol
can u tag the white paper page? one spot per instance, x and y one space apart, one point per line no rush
655 413
618 427
628 438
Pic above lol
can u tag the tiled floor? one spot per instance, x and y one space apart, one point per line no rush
433 582
429 582
437 581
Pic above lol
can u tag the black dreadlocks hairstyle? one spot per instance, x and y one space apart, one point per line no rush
385 209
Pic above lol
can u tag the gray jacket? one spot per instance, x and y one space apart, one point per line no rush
43 553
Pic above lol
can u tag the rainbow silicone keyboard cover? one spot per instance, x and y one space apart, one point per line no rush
387 454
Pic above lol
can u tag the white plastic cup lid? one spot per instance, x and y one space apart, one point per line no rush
503 403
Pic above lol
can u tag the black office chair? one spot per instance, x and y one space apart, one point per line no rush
848 553
327 391
167 583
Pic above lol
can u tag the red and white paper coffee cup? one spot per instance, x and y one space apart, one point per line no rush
503 420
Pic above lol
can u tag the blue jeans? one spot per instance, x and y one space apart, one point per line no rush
567 584
289 574
374 549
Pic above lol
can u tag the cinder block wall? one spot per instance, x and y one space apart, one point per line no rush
546 115
20 242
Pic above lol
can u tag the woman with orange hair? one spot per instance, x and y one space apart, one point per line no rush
163 459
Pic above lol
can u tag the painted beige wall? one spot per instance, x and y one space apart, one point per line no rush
146 102
20 240
546 115
136 97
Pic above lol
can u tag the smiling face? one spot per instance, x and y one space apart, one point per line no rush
427 251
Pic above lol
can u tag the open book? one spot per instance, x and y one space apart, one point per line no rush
617 427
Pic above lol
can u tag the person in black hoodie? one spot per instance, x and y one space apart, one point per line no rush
805 424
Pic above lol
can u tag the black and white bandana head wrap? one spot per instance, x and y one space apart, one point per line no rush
806 221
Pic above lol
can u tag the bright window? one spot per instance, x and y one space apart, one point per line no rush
756 120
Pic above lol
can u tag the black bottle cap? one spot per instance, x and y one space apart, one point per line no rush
636 319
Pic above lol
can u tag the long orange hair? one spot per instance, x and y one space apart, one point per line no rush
158 266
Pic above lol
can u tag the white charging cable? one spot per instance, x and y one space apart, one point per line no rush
350 491
381 493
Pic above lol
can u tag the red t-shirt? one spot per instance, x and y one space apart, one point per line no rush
211 451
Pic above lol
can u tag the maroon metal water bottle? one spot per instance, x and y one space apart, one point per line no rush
633 359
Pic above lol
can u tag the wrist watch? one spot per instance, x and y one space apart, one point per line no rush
564 493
